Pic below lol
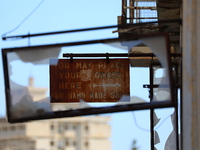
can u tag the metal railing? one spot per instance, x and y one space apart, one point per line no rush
137 11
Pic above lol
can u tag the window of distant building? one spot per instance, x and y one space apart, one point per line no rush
4 129
86 127
74 143
67 143
12 128
52 127
21 127
61 145
74 127
52 143
86 144
66 127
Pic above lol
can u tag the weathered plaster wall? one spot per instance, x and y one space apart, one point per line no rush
191 75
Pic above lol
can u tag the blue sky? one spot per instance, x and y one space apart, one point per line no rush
54 16
61 15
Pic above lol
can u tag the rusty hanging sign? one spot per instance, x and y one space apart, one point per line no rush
92 80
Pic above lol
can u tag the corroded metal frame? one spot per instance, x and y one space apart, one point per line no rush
91 111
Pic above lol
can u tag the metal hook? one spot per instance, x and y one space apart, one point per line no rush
107 57
152 58
71 57
29 42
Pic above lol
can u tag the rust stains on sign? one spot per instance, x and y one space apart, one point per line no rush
92 80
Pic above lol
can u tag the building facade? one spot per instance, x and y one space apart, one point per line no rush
78 133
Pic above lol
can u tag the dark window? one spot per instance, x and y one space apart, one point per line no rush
52 127
74 127
67 143
74 143
21 127
86 144
4 129
12 128
86 128
52 143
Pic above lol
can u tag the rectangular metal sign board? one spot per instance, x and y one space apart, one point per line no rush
91 80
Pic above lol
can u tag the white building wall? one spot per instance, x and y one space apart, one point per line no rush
99 144
38 129
99 130
43 144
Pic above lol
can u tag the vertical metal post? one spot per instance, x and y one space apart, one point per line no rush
181 106
123 4
131 10
176 107
151 110
137 12
124 9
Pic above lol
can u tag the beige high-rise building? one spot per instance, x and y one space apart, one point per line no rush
77 133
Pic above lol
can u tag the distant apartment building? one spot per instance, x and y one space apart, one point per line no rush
77 133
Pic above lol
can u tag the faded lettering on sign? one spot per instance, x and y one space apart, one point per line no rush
92 80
